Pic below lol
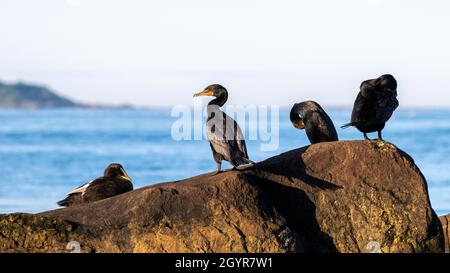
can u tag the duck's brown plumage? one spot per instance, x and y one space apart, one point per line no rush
115 181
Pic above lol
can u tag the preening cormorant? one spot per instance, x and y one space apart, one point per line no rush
374 105
224 134
310 116
115 181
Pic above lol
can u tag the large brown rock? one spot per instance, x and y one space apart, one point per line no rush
222 213
352 196
446 228
347 196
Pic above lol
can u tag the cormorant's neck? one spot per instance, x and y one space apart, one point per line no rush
295 113
219 101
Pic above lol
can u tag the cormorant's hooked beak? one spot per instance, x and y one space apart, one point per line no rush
299 124
205 92
125 175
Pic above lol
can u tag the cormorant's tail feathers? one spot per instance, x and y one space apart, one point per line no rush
248 161
245 166
243 163
348 125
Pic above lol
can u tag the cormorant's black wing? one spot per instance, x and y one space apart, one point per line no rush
240 139
226 137
325 126
364 108
358 107
386 104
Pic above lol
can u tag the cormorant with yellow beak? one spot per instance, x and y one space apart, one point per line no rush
224 134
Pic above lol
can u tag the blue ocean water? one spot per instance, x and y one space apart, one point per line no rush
46 153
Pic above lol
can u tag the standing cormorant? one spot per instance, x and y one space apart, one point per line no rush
310 116
374 105
115 181
224 134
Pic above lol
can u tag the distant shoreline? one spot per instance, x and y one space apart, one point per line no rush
25 96
135 107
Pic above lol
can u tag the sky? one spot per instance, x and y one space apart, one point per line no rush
151 53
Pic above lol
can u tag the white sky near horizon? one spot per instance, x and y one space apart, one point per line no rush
265 52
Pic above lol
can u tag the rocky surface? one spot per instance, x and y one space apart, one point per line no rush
222 213
445 220
347 196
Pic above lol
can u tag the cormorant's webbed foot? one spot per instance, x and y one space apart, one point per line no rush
366 137
380 138
219 168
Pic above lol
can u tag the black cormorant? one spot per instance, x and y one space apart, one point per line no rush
374 105
310 116
115 181
224 134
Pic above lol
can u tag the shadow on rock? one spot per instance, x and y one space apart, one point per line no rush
291 167
299 213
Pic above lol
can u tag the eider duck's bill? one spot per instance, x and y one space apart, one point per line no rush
299 124
125 175
205 92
